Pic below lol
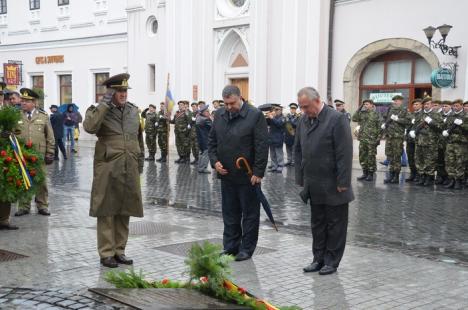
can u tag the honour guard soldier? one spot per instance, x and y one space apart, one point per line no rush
118 160
182 128
290 132
413 120
394 127
150 130
442 176
340 107
35 127
162 128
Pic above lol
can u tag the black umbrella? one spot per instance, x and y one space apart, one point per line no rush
242 163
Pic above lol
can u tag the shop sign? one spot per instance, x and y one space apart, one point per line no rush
12 74
55 59
442 77
383 97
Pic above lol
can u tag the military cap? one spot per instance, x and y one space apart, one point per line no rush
447 102
276 106
460 101
465 103
427 99
152 106
221 102
28 94
119 81
194 103
398 97
368 100
2 87
436 102
181 101
293 105
416 100
54 106
338 102
201 102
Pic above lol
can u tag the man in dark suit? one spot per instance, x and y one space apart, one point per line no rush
323 155
56 120
239 130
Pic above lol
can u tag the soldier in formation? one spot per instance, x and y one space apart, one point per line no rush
162 130
367 132
150 131
410 142
442 176
182 128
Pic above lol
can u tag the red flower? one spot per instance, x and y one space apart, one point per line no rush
18 183
242 290
32 173
165 281
8 159
3 153
33 159
10 179
204 280
29 144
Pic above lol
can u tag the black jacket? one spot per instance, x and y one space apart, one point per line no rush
323 158
245 135
56 120
203 127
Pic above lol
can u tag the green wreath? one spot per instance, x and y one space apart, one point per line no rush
13 181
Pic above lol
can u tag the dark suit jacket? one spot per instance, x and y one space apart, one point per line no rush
245 135
56 120
323 158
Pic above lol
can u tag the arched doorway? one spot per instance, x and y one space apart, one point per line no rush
397 49
232 63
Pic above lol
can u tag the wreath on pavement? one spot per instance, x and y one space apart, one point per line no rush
209 272
20 164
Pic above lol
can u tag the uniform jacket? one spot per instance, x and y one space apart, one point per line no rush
291 122
117 158
396 129
369 122
39 131
458 133
323 157
276 130
56 120
162 123
428 134
413 120
244 135
150 120
182 122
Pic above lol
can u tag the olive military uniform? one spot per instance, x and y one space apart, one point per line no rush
411 144
150 133
162 129
193 137
118 159
182 131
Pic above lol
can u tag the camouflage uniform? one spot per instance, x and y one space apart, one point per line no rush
395 135
368 136
456 152
193 136
150 133
427 136
182 130
162 129
442 146
411 144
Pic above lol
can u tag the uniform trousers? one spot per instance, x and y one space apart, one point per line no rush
5 209
41 198
112 235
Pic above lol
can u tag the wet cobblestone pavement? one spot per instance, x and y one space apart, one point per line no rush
408 246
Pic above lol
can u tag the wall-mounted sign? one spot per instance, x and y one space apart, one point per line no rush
195 92
442 77
383 97
55 59
11 74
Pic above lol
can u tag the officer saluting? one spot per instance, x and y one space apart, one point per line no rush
118 158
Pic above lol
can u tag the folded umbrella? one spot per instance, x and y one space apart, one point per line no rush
242 163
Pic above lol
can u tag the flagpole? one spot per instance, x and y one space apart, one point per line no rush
168 120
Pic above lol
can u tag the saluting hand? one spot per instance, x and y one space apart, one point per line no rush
220 168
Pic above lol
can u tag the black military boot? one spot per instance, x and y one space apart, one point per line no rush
389 178
370 176
439 180
162 159
150 157
363 176
457 184
412 177
429 180
185 160
450 184
422 179
194 162
446 181
178 161
416 178
396 178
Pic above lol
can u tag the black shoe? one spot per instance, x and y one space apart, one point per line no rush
74 151
43 211
8 227
178 161
429 180
194 162
395 179
422 180
370 177
439 180
162 159
242 256
327 270
313 267
457 184
226 252
390 177
205 171
122 259
446 181
150 158
416 178
21 212
109 262
363 176
411 177
287 164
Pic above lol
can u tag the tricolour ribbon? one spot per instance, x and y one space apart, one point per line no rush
27 181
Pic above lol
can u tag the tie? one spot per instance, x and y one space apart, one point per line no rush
29 115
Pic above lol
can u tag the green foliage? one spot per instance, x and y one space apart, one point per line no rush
9 117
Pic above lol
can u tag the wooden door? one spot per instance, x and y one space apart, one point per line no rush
243 85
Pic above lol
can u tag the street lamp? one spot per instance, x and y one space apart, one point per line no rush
444 48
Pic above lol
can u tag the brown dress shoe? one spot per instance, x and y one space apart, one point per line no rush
44 212
109 262
122 259
21 212
8 227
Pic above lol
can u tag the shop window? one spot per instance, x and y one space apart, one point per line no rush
38 82
63 2
65 85
399 72
34 4
422 71
152 78
373 74
100 89
3 6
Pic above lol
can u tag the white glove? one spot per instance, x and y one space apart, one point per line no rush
358 128
188 126
194 119
383 126
412 134
445 120
445 133
458 121
394 117
412 121
156 124
427 119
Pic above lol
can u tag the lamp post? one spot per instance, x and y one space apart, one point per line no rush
444 48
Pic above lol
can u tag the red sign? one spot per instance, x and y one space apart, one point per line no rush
11 74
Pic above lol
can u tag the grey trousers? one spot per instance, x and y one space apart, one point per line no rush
277 158
289 153
203 160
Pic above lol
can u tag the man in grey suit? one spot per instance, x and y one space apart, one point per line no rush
323 155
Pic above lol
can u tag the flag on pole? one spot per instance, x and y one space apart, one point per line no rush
169 100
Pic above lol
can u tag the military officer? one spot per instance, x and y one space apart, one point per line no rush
290 125
193 133
368 130
340 107
413 118
394 128
162 128
118 159
456 133
150 130
426 133
182 128
35 127
442 176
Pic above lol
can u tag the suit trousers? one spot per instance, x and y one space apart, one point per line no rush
5 209
329 228
289 153
41 199
112 235
241 217
60 145
203 160
277 157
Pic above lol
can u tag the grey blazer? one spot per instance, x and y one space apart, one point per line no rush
323 158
